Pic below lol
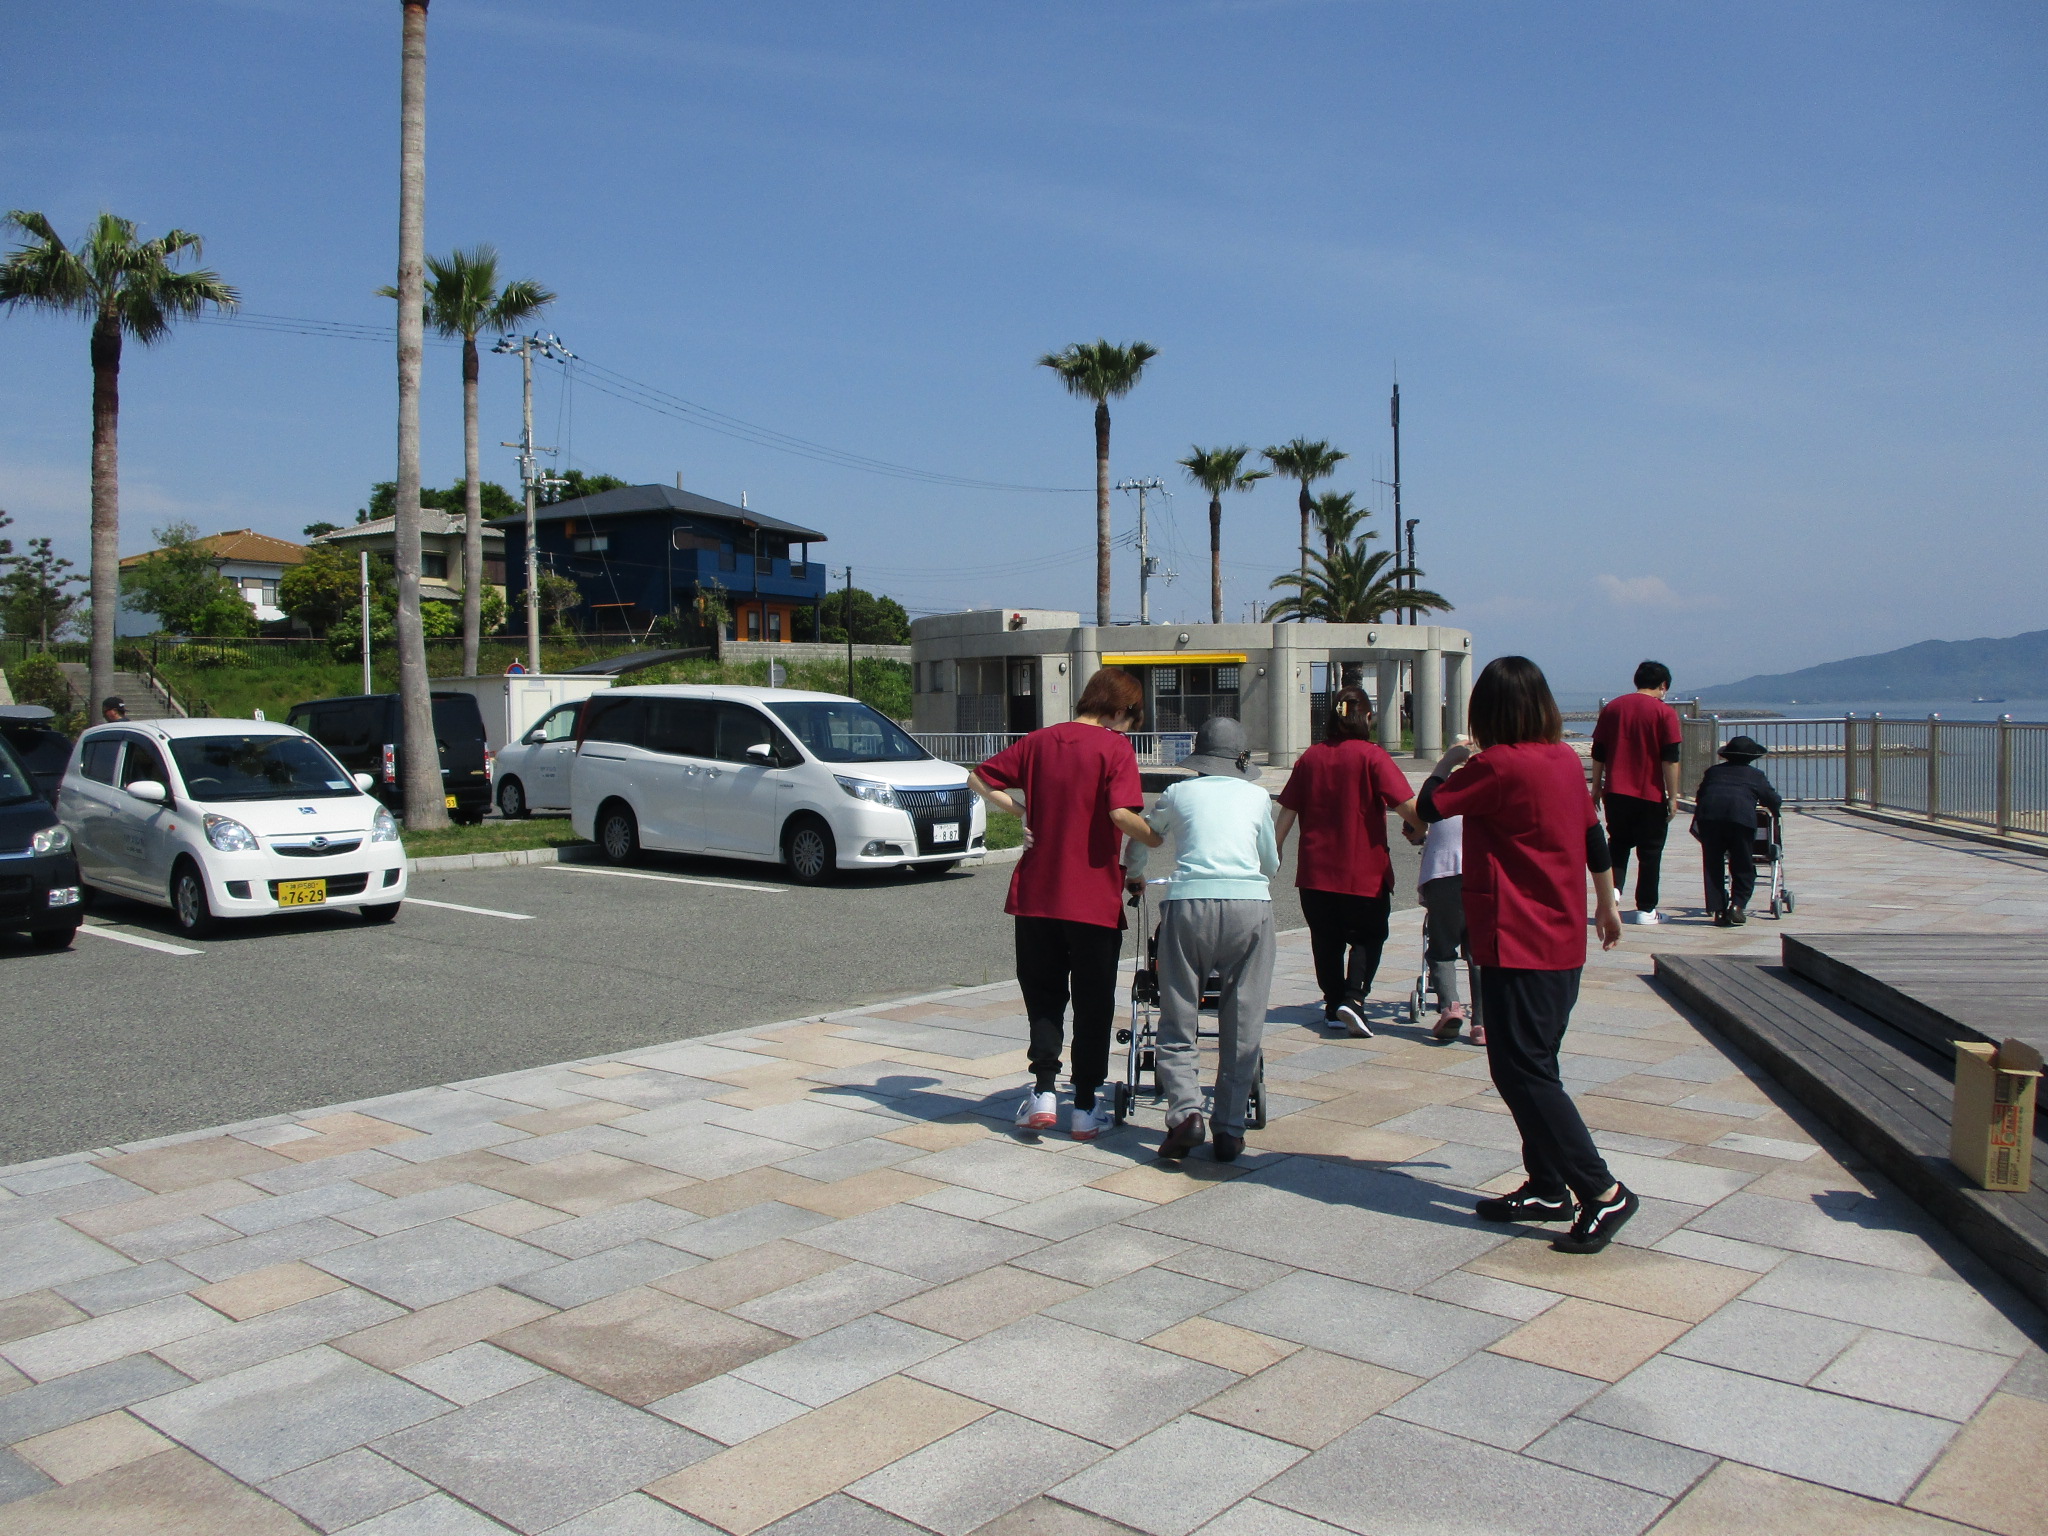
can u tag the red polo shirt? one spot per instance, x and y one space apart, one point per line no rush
1072 776
1341 791
1630 738
1526 813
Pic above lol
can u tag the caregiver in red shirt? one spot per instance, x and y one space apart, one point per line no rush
1341 791
1530 836
1081 797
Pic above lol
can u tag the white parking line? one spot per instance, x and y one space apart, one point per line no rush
633 874
138 941
456 906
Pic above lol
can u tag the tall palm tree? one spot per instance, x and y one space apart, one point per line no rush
1217 470
425 802
1100 371
463 299
1352 585
1338 516
124 287
1305 461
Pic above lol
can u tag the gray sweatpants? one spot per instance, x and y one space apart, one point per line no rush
1235 940
1444 900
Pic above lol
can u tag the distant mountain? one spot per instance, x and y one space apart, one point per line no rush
1933 670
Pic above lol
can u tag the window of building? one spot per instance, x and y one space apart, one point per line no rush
1181 698
979 706
775 624
432 566
494 572
596 543
753 623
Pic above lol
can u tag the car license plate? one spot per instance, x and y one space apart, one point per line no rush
301 893
451 802
945 831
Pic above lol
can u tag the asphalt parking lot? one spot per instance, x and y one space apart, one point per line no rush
137 1032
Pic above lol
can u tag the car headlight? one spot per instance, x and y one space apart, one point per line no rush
384 829
50 840
874 791
229 835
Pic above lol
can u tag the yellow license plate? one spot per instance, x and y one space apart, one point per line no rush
451 802
301 893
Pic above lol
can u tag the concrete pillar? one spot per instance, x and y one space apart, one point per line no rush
1429 705
1388 698
1458 693
1287 699
1087 660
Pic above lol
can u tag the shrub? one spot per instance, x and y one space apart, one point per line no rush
439 620
39 680
211 656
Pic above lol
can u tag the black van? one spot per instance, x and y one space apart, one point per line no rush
39 892
366 733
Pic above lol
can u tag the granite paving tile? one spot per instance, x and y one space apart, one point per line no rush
641 1344
1310 1398
809 1123
472 1373
958 1484
236 1346
436 1262
634 1515
1496 1400
839 1515
849 1160
545 1452
824 1301
1389 1476
92 1447
999 1166
57 1175
101 1340
1637 1278
1767 1341
19 1480
1132 1388
173 1493
513 1217
736 1191
1856 1446
288 1413
924 1243
585 1111
602 1274
584 1138
1860 1230
1737 1498
346 1489
709 1151
1733 1252
156 1210
752 1272
1988 1477
583 1183
983 1302
388 1216
302 1240
1179 1476
1240 1270
1389 1328
284 1210
1255 1518
86 1395
843 1359
1143 1303
46 1253
473 1138
1047 1517
187 1164
119 1289
959 1200
1505 1298
716 1236
1651 1465
1219 1344
1098 1257
1917 1374
145 1245
359 1166
581 1237
1069 1213
728 1409
40 1311
1589 1338
435 1515
1925 1307
440 1328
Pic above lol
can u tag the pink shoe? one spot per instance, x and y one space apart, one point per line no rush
1450 1021
1478 1035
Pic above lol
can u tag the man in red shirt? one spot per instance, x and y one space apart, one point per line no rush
1635 780
1081 796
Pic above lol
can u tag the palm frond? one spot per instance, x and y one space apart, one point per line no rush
1219 470
1352 585
1305 460
1100 370
111 274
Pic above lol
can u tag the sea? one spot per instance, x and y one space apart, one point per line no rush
1891 709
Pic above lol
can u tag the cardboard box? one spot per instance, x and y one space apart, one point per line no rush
1991 1133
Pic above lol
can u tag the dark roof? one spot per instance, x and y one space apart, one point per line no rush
661 498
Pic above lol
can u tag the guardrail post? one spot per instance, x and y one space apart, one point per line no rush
2004 773
1933 767
1848 759
1876 759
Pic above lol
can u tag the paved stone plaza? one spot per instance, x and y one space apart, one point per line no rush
807 1279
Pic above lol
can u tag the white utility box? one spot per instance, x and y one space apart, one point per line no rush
512 702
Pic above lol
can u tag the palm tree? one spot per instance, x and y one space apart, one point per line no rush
463 299
125 287
1305 461
1217 470
1352 585
425 802
1101 371
1338 517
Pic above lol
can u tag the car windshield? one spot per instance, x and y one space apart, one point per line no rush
258 768
848 732
15 783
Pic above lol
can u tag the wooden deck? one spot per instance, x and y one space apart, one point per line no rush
1938 988
1885 1092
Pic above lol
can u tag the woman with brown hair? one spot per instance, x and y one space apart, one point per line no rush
1340 791
1530 837
1081 797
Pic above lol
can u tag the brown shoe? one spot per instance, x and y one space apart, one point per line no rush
1228 1147
1182 1139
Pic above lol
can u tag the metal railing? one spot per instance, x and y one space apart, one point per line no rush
1991 774
1155 749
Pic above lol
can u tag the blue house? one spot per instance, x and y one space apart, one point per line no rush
645 552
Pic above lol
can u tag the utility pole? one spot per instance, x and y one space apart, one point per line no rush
846 616
363 569
548 345
1147 566
1394 410
1411 559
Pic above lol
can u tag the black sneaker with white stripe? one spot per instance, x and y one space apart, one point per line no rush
1598 1222
1525 1205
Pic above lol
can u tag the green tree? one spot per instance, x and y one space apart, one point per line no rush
1337 517
314 530
1305 461
1218 470
575 483
557 594
32 594
497 501
126 288
325 587
876 620
1352 585
1100 371
463 299
180 582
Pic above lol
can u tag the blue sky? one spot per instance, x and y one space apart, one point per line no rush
1720 328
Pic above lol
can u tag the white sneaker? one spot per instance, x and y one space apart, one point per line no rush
1039 1111
1087 1124
1352 1017
1649 917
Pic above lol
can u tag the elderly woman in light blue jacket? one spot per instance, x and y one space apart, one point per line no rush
1216 920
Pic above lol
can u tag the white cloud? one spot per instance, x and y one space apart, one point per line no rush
1650 592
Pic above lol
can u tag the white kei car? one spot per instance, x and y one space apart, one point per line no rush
227 818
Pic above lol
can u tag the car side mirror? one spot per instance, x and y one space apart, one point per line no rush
532 738
148 789
761 752
364 782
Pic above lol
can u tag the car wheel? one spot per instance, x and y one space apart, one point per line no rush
54 938
383 912
512 801
809 852
933 871
618 834
467 818
189 904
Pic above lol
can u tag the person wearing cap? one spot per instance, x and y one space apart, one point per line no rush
1635 781
113 709
1724 820
1216 919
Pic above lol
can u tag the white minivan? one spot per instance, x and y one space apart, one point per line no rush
227 818
817 781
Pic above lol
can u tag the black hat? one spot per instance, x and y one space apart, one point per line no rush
1744 748
1220 749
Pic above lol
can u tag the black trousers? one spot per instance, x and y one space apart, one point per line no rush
1058 960
1345 935
1526 1014
1731 861
1641 825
